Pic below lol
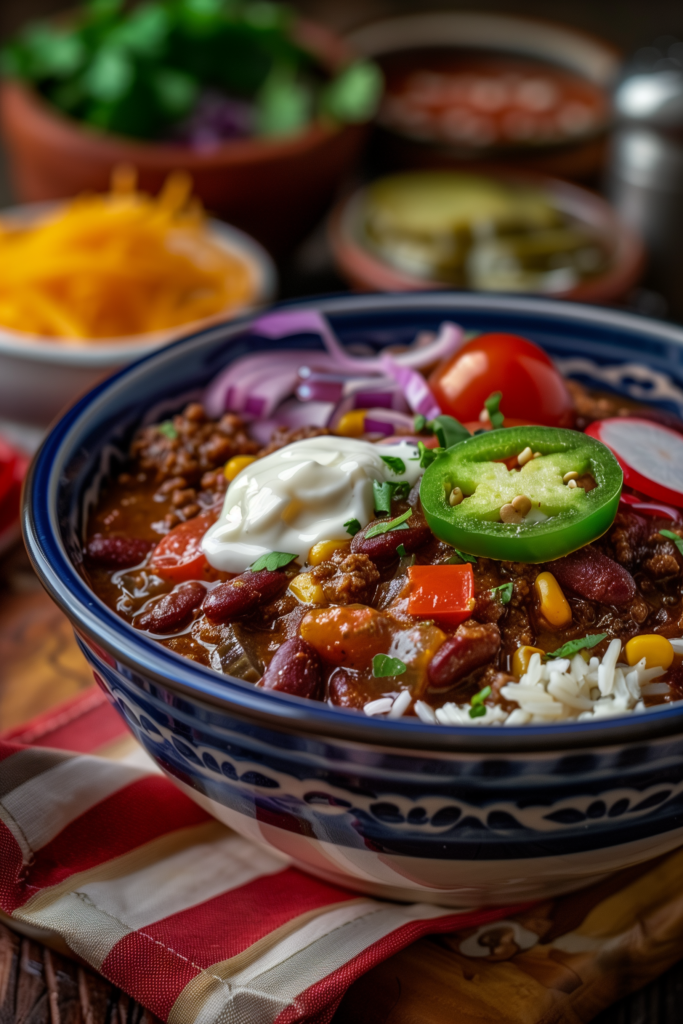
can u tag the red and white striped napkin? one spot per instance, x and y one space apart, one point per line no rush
105 855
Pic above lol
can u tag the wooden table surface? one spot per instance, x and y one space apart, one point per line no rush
41 666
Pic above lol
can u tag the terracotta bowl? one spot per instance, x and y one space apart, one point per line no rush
505 35
275 189
367 272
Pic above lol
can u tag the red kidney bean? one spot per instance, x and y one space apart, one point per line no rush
344 690
117 552
382 548
473 645
244 594
173 610
594 576
296 669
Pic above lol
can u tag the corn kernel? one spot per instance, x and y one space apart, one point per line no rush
352 424
521 659
236 464
553 604
307 589
323 551
656 650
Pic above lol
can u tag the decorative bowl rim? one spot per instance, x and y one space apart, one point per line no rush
203 686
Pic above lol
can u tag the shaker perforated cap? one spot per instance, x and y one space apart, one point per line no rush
651 90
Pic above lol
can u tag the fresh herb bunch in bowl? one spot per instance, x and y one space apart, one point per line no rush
220 88
196 70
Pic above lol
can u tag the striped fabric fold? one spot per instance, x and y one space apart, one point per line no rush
190 919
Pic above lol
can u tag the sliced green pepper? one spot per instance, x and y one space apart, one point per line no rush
561 518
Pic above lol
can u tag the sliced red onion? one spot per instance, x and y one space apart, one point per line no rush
293 415
261 379
448 341
428 442
414 387
285 322
319 391
387 421
649 508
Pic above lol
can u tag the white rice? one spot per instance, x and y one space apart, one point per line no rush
558 690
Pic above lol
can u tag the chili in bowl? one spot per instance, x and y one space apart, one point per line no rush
365 591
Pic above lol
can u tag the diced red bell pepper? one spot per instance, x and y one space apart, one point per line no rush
444 593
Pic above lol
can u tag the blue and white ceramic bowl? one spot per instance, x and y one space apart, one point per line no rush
457 816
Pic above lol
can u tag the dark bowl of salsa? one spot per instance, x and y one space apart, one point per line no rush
529 769
464 86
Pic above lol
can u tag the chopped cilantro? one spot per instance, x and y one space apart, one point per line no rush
384 493
573 647
448 430
419 424
383 665
272 561
401 551
427 455
504 591
670 535
459 557
478 711
386 525
352 526
492 406
168 430
395 464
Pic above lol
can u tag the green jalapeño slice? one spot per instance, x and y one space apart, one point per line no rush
522 494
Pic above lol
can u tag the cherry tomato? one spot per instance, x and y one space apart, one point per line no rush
532 389
179 556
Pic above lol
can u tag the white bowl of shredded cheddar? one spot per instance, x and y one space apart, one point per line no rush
93 283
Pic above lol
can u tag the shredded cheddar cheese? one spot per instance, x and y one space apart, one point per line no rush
118 264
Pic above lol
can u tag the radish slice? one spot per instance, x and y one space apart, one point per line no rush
650 455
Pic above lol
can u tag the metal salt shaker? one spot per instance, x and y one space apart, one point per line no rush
645 170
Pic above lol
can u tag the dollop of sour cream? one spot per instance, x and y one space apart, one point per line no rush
300 495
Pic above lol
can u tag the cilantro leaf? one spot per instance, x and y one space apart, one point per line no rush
352 526
573 647
168 430
427 455
505 592
272 561
478 711
384 493
448 430
480 697
383 665
395 464
386 525
401 551
492 406
459 557
670 535
419 423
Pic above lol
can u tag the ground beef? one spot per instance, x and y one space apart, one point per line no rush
190 445
284 436
347 578
627 538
